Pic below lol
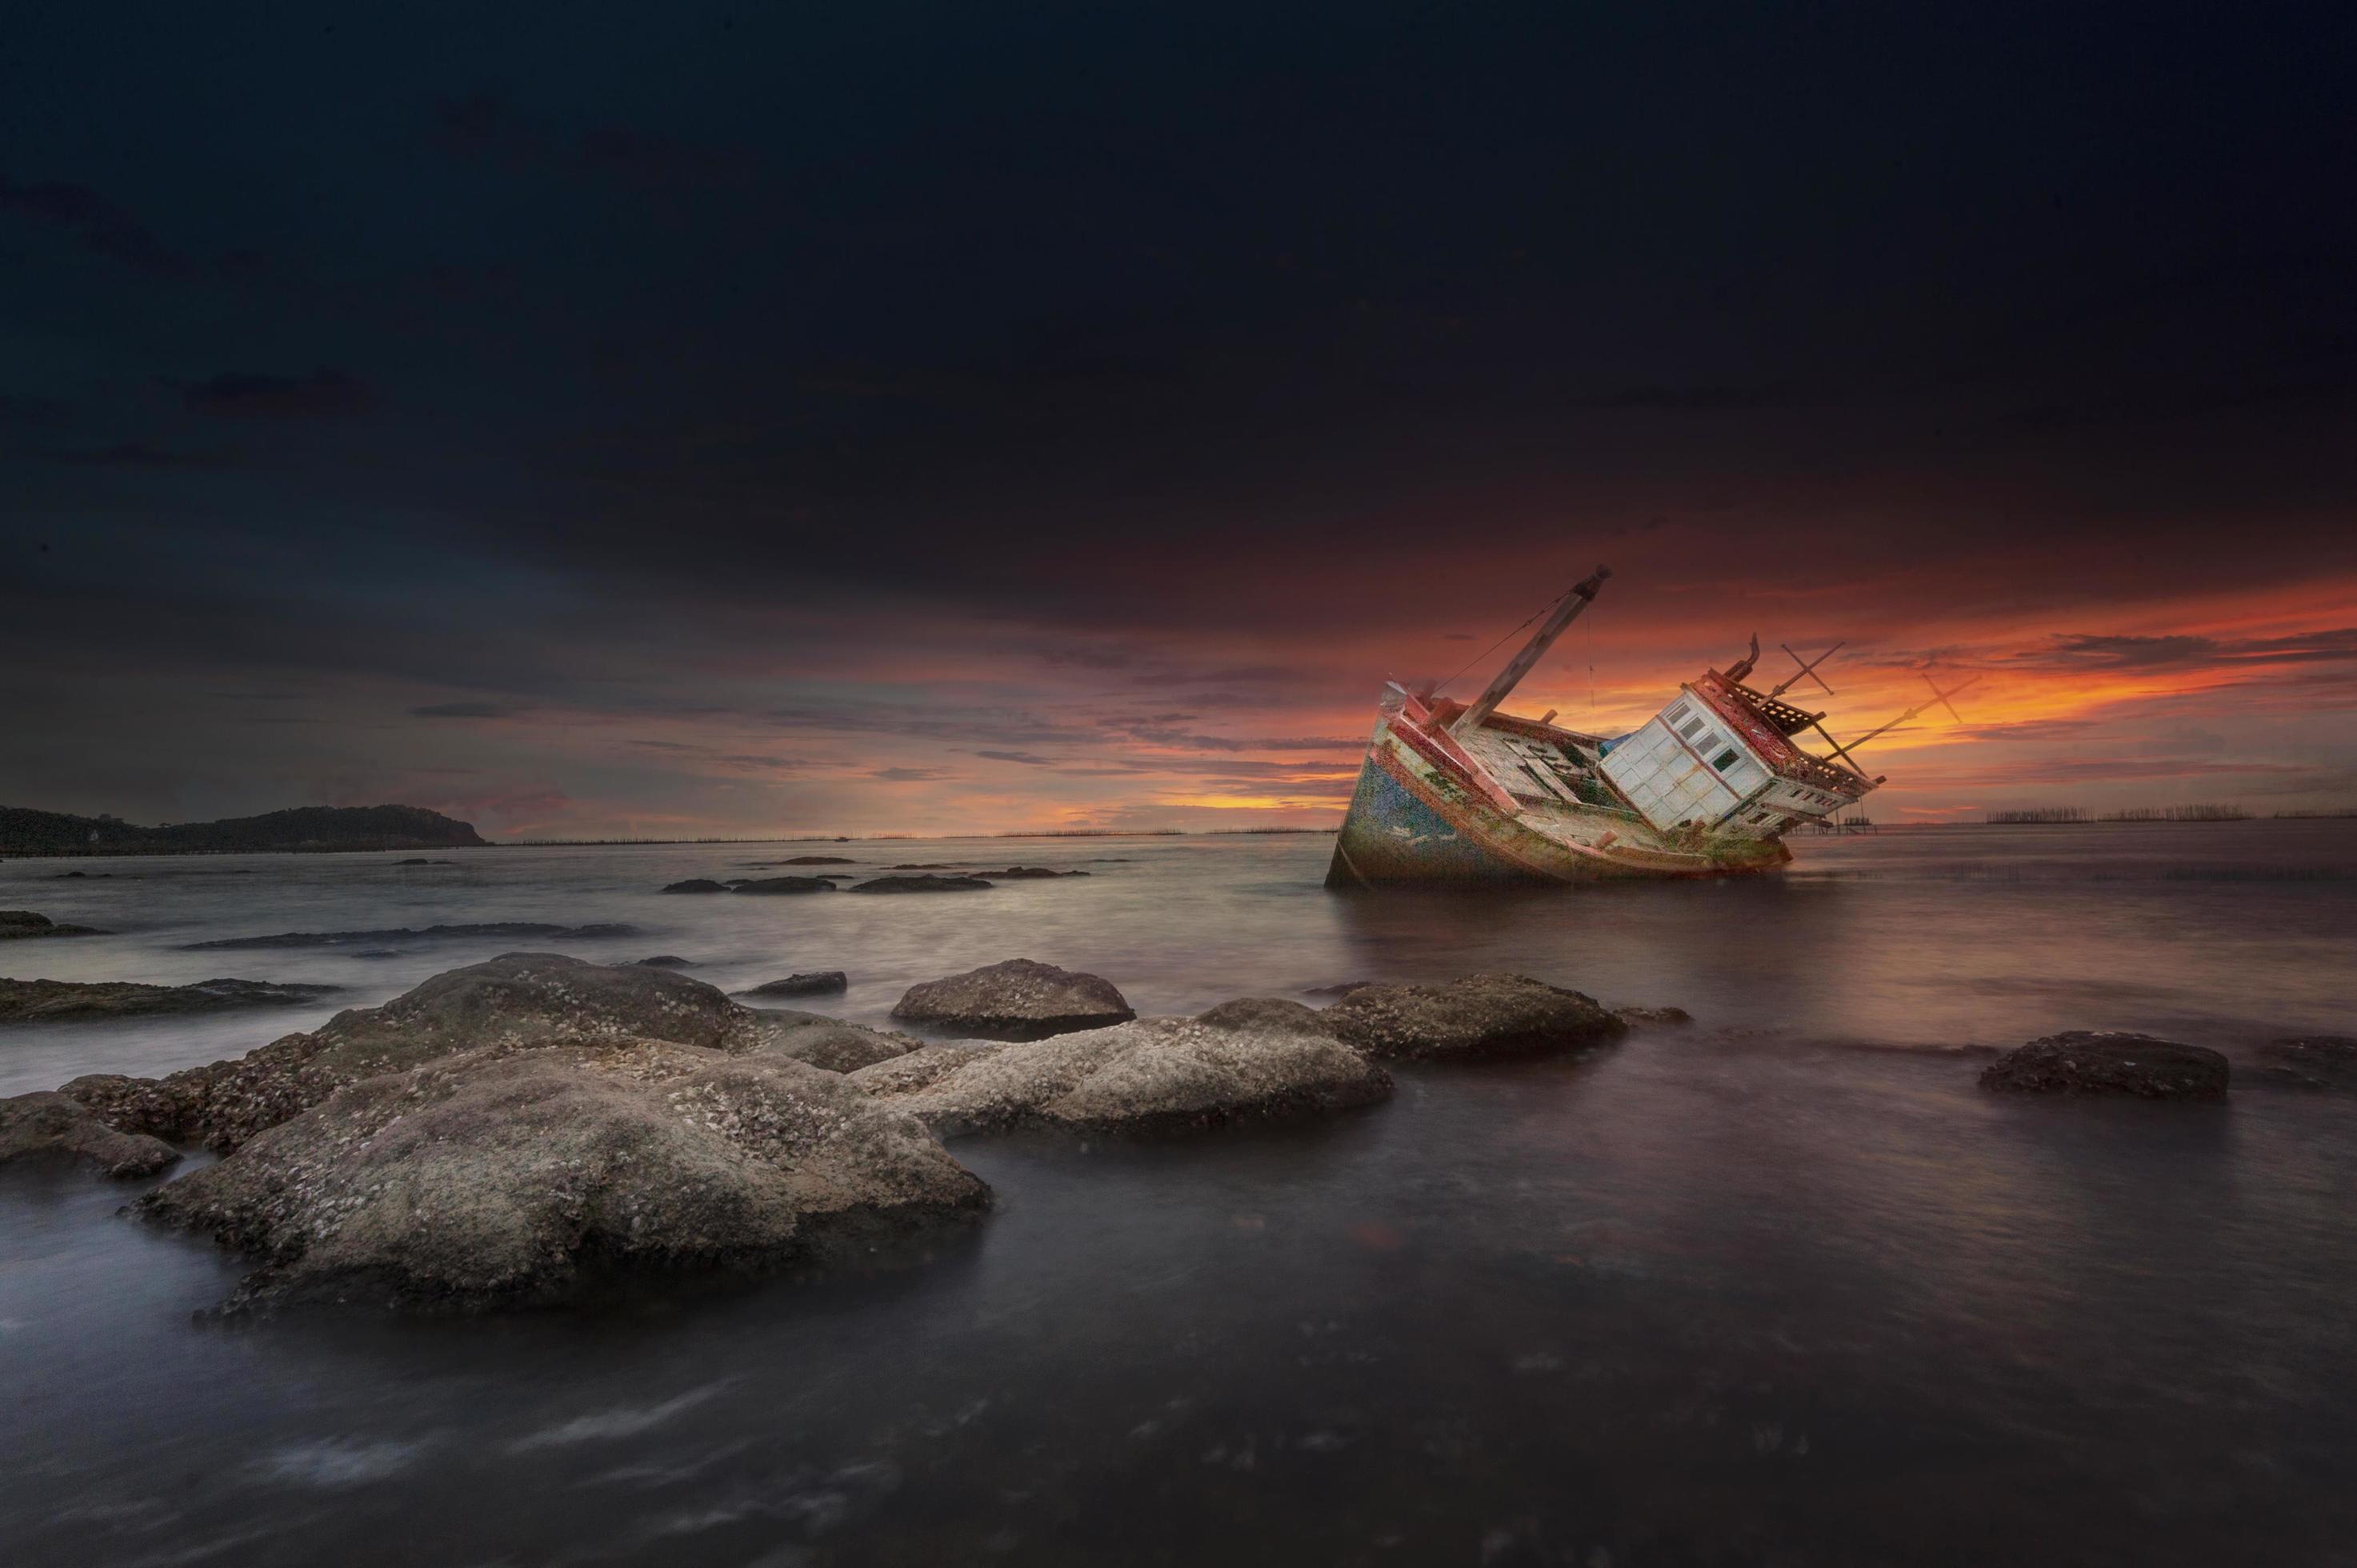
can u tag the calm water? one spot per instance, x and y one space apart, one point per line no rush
1757 1291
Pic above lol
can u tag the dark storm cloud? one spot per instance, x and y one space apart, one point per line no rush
103 227
483 125
1189 740
2089 651
253 394
797 372
14 409
467 710
949 721
1686 400
144 454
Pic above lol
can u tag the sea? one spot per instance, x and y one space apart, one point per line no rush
1782 1286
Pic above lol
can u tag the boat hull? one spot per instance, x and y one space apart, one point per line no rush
1423 813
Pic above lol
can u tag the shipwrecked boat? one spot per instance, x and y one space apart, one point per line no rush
1456 792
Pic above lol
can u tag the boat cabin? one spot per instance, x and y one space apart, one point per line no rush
1721 757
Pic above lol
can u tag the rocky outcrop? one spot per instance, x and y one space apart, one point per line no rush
502 929
2085 1061
21 924
2310 1061
30 1001
521 996
1653 1017
816 982
1267 1012
838 1047
1478 1015
665 960
54 1127
1026 874
919 885
1017 1000
697 885
785 884
1148 1075
818 860
523 1172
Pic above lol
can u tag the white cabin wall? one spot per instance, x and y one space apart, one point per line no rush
1666 769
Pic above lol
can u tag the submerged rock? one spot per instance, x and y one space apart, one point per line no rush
1478 1015
519 997
26 1001
818 860
18 924
664 960
51 1126
1636 1016
1147 1074
2310 1061
785 884
816 982
505 929
1027 873
519 1174
2086 1061
697 885
421 860
1017 1000
919 885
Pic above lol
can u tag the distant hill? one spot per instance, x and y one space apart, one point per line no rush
316 827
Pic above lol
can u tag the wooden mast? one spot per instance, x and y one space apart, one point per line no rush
1939 699
1576 600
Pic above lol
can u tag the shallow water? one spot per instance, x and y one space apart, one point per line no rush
1745 1292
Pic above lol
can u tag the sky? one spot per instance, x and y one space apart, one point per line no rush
675 420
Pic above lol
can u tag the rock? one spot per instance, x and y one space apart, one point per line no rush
786 885
697 885
1637 1016
838 1047
819 860
26 1001
2311 1062
1267 1012
519 997
504 929
1344 989
919 885
1017 1000
1149 1075
50 1126
421 860
922 866
2086 1061
522 1174
18 924
1478 1015
1027 873
664 960
817 983
69 875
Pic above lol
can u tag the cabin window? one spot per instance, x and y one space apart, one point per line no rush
1674 714
1688 729
1724 760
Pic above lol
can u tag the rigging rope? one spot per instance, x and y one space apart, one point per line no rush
1501 642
